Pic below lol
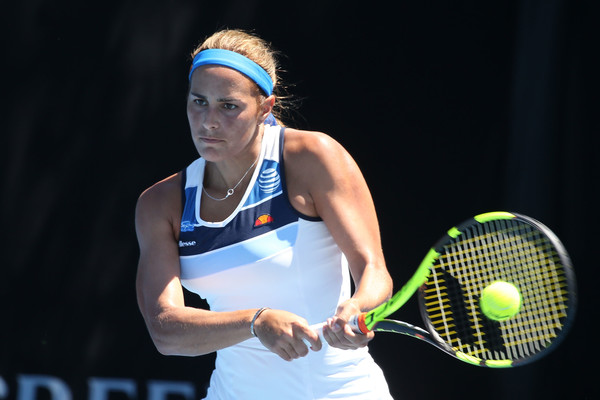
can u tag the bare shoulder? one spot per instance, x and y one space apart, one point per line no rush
159 193
311 152
314 164
300 143
160 202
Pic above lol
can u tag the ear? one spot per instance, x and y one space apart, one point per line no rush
266 108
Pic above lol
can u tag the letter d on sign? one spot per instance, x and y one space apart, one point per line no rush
29 385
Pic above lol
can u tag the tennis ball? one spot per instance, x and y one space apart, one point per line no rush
500 301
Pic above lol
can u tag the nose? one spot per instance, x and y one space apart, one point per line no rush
210 120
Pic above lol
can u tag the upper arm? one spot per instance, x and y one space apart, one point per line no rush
157 284
334 188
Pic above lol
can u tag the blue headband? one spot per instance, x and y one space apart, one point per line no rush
236 61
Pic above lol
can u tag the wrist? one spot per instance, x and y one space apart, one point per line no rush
253 322
350 307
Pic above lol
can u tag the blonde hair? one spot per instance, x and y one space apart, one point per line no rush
246 44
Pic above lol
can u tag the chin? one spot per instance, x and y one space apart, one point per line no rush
209 154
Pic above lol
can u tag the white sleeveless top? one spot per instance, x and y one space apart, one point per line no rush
266 254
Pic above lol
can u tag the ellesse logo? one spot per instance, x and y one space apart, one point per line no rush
263 220
269 180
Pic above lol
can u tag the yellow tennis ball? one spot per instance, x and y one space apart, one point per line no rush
500 301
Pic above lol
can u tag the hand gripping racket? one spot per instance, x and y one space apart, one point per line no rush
496 246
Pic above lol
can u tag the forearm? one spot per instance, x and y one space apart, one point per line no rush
190 331
373 287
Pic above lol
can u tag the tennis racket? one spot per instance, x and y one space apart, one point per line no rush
496 246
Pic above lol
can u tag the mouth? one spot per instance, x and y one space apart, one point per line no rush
209 140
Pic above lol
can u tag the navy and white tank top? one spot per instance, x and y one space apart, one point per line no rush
266 254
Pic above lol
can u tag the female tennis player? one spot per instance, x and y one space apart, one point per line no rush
269 225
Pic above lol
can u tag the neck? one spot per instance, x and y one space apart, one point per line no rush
233 183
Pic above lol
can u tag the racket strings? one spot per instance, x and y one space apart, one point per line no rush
507 250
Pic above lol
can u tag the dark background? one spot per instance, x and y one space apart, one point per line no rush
451 108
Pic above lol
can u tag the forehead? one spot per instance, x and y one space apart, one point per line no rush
221 79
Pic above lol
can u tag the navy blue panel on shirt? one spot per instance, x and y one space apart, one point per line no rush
248 223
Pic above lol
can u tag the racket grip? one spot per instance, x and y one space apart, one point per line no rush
317 328
356 322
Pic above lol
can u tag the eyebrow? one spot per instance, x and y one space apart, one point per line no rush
220 100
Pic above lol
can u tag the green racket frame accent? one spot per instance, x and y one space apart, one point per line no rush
483 218
480 363
435 269
422 273
402 296
564 277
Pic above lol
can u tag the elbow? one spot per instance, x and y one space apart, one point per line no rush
171 337
162 333
163 345
166 350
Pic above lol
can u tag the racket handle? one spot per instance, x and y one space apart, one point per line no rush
318 328
356 322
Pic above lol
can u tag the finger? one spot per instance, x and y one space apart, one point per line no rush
312 337
314 345
339 329
357 339
284 354
336 338
296 350
345 338
300 348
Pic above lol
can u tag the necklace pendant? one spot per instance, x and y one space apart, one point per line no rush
231 191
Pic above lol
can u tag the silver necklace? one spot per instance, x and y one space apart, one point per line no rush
231 191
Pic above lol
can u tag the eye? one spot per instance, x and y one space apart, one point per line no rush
199 102
229 106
